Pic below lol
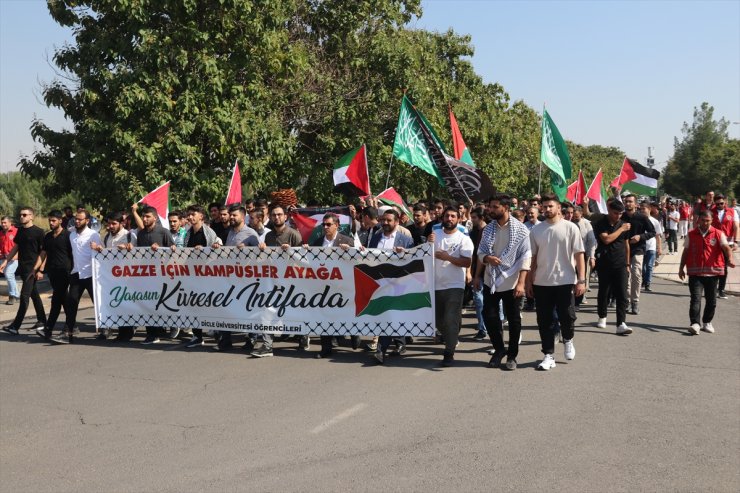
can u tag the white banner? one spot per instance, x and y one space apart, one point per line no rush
298 291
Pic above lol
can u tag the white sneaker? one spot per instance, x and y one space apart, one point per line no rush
694 329
547 363
569 349
623 330
601 323
708 327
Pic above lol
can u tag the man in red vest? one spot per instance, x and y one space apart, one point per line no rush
725 220
705 254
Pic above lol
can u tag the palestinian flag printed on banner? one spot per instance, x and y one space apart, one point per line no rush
637 178
387 287
308 221
159 198
350 173
389 196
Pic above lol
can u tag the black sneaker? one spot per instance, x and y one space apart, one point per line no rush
304 343
223 346
648 289
150 340
44 333
495 360
722 295
11 329
481 335
248 345
447 360
62 338
38 325
262 353
400 347
510 364
11 301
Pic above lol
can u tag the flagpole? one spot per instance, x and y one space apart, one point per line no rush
388 178
539 181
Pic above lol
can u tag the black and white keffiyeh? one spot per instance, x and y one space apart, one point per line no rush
517 250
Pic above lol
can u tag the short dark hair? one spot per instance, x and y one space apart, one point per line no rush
420 208
394 213
148 209
196 208
115 216
85 212
214 204
449 208
370 212
55 213
175 213
334 218
616 205
502 198
237 207
550 197
27 208
566 204
629 195
478 211
260 203
705 213
718 197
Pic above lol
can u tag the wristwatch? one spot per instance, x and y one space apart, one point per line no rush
581 281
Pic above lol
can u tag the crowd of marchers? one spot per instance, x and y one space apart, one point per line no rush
501 256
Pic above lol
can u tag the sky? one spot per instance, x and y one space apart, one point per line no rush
614 73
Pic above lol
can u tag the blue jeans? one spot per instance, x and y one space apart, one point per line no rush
648 262
478 302
9 274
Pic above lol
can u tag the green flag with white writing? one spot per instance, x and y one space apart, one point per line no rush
410 145
554 155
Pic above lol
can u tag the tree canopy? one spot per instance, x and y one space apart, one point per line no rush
704 159
177 90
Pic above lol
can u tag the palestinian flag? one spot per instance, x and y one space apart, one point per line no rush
159 198
637 178
308 221
389 196
460 150
386 287
577 190
234 196
350 173
597 194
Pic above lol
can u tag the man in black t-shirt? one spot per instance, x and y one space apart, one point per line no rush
55 260
613 263
28 243
153 235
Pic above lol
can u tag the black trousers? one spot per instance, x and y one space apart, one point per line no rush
77 286
495 327
561 299
697 284
29 291
59 280
613 281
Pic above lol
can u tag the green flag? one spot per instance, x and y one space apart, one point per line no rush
410 145
554 154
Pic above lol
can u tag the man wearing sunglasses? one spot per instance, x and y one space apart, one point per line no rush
28 243
332 238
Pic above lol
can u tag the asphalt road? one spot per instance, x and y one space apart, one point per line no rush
656 411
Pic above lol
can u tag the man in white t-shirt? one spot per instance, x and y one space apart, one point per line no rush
453 253
671 226
557 274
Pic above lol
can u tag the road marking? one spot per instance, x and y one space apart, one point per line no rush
339 418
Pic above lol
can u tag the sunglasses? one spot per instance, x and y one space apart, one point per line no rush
328 225
24 214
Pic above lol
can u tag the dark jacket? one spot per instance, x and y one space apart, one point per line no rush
341 239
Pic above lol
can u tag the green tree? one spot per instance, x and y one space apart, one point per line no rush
591 158
704 159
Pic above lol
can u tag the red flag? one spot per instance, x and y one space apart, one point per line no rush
159 198
596 192
459 148
235 187
577 190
